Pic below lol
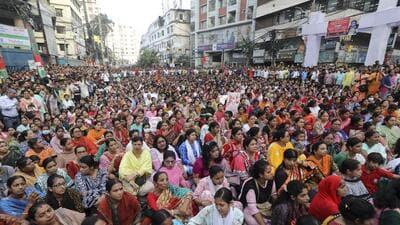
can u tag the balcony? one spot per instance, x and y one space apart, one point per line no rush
222 11
202 2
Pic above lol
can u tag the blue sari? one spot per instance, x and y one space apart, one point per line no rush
15 207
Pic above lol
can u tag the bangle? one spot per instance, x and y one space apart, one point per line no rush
24 213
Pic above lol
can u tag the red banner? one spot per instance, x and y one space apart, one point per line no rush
37 58
338 27
2 63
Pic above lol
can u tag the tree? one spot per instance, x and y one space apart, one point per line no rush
247 46
106 25
147 58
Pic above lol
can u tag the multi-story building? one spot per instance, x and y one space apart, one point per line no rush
170 35
220 26
297 31
124 43
92 8
69 31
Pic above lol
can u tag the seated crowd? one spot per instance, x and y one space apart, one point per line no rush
76 148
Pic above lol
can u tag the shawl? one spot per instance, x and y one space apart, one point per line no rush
217 218
324 166
126 212
326 201
69 217
71 200
192 153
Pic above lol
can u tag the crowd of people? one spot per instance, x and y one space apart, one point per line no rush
300 146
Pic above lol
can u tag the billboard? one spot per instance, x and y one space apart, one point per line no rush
11 37
338 27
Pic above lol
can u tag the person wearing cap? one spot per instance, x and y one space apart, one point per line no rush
9 109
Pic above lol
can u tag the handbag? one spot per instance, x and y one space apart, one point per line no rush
140 180
265 209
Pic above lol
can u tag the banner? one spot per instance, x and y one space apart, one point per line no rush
3 71
233 102
11 37
39 65
153 121
338 27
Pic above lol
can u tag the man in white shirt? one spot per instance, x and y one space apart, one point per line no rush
9 109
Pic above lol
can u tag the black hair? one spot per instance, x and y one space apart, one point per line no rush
214 170
157 175
91 220
349 164
247 142
253 132
168 154
160 216
212 125
52 178
64 141
316 145
225 194
352 209
352 142
32 142
278 135
389 196
136 139
231 124
34 158
206 153
11 180
375 157
235 130
290 154
258 168
22 162
307 220
109 140
293 189
89 161
189 132
48 160
32 210
110 183
156 140
370 133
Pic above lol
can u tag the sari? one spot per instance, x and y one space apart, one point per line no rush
41 182
124 214
172 198
283 177
318 170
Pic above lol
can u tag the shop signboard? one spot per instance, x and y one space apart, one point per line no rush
338 27
299 58
326 56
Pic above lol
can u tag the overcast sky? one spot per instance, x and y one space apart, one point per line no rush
138 13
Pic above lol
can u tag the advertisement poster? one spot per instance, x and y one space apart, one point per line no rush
338 27
233 102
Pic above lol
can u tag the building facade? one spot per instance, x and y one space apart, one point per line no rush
69 31
124 43
297 31
220 27
170 36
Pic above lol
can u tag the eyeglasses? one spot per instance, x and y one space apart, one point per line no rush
59 185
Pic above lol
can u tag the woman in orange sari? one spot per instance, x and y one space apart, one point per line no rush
178 201
96 134
320 165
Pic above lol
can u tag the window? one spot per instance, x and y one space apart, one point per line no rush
203 9
62 47
232 17
181 16
59 12
212 21
250 12
222 20
202 25
60 29
211 6
172 29
232 2
162 33
221 3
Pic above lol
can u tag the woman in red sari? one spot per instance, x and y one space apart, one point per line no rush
118 207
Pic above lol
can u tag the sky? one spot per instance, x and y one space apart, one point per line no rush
138 13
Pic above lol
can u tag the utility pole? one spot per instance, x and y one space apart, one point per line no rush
89 29
44 33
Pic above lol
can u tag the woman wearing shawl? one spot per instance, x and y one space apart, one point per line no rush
165 196
320 164
326 201
289 170
118 207
20 198
50 166
222 212
207 186
189 150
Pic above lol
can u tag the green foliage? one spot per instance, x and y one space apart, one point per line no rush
147 58
247 46
106 25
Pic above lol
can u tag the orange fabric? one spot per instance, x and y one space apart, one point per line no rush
374 82
45 153
94 135
324 165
